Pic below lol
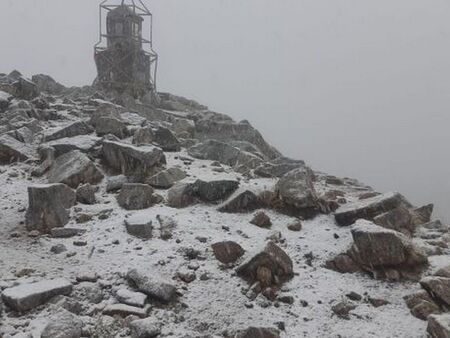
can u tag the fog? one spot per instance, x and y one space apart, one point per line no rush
357 88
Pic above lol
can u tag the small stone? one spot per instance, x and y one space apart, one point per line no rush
297 226
342 309
227 252
123 310
58 248
145 328
354 296
261 220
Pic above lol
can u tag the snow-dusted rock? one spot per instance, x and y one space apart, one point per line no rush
114 183
24 134
110 125
213 191
88 292
48 206
144 135
278 167
123 310
404 220
268 267
66 232
73 129
376 246
63 324
421 304
438 287
166 139
28 296
73 169
439 326
135 196
152 285
25 89
83 143
166 178
47 84
139 227
181 195
241 202
132 160
296 190
145 328
5 100
369 208
215 151
86 194
261 219
226 130
131 298
12 150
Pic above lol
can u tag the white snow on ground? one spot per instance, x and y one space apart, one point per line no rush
216 304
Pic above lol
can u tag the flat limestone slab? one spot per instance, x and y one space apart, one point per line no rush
25 297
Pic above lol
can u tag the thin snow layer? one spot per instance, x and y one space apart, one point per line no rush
216 304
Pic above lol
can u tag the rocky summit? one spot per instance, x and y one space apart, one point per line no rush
166 219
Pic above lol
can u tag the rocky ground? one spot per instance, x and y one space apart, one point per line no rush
120 219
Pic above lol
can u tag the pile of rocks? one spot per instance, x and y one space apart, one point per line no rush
90 161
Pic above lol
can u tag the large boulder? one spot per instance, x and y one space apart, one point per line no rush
27 296
241 202
166 178
47 84
110 125
83 143
63 324
131 160
5 100
144 135
438 287
12 150
224 153
421 304
296 191
403 219
225 129
48 206
386 253
166 139
73 169
25 89
269 267
439 326
213 191
135 196
71 130
215 151
369 208
181 195
152 285
278 167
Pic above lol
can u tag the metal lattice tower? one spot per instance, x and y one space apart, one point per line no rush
124 55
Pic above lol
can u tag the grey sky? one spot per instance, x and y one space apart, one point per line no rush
354 87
